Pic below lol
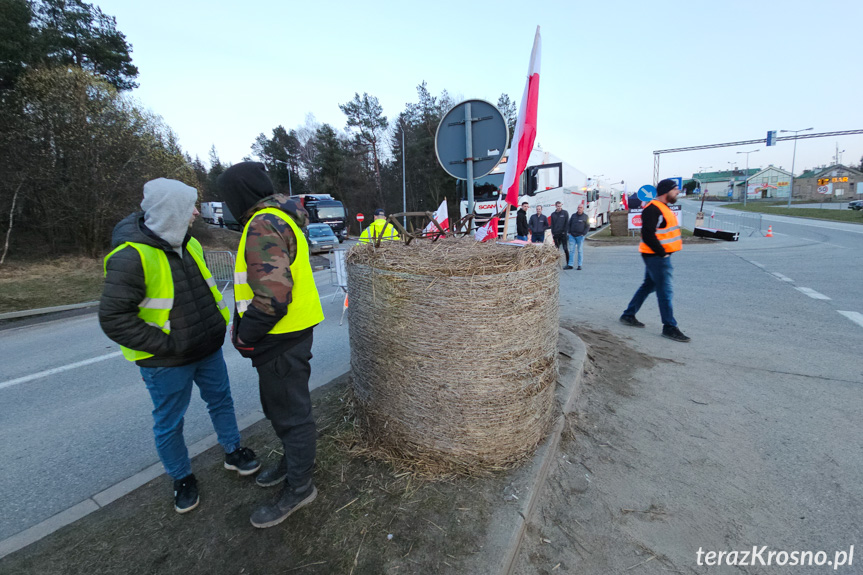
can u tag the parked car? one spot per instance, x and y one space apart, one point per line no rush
856 205
321 238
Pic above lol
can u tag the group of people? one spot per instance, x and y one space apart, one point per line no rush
567 231
161 304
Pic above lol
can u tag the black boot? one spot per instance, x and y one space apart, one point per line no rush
630 320
671 332
289 501
273 475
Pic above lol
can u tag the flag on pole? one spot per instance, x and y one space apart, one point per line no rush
525 126
442 217
487 232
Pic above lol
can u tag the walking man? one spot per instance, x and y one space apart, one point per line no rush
379 228
161 305
537 226
660 237
559 223
277 307
579 225
521 229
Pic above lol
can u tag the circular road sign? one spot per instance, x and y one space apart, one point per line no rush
489 134
646 193
360 217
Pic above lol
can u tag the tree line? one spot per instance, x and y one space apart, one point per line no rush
76 147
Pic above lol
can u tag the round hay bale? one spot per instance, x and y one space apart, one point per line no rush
454 350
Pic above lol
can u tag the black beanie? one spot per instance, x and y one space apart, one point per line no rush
665 186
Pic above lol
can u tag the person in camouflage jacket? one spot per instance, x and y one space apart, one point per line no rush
281 359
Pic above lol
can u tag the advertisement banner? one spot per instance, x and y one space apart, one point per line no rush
634 222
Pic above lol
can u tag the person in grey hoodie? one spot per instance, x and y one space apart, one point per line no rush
161 305
579 225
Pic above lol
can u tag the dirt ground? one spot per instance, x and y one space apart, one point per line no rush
435 526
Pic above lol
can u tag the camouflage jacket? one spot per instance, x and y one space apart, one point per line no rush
271 248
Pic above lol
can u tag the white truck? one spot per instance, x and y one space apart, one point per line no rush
546 180
211 212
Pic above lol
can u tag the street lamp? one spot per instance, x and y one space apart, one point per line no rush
793 158
746 175
404 181
701 171
290 190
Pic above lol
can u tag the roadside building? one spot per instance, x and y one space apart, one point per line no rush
771 182
718 184
829 182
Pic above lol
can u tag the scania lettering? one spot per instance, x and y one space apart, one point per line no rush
546 180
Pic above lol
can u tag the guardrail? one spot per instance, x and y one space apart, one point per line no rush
740 223
221 265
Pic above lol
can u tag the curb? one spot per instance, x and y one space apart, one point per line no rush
44 310
508 523
95 502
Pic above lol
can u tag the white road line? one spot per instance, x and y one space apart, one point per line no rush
782 277
757 264
811 293
60 369
854 316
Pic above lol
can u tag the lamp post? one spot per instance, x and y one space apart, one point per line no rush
290 190
746 175
793 158
700 172
404 181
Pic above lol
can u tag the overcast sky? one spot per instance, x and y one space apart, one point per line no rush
619 79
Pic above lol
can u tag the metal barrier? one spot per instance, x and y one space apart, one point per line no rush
221 265
729 222
338 271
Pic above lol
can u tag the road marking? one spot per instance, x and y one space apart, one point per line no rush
757 264
811 293
782 277
60 369
854 316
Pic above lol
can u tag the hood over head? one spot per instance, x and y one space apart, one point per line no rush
168 206
242 186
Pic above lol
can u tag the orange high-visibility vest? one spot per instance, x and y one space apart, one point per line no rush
669 235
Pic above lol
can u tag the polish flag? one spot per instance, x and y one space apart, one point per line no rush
442 217
487 232
525 126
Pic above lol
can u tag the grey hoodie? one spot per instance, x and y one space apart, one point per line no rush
168 206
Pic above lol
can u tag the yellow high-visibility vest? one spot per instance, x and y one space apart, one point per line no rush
305 309
669 235
379 229
155 308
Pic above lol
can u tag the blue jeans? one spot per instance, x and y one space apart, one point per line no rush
576 243
171 389
522 238
657 277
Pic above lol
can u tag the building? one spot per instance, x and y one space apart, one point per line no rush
836 181
771 182
718 184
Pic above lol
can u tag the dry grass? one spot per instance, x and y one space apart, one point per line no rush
454 352
48 283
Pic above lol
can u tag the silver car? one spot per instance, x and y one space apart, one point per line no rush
321 238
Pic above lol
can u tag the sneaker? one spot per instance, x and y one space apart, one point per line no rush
186 494
674 333
578 268
567 267
273 475
242 460
289 501
630 320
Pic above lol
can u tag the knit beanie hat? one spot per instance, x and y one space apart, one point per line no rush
665 186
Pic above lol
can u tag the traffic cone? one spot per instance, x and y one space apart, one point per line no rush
769 232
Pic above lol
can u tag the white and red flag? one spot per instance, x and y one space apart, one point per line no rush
487 232
442 217
525 126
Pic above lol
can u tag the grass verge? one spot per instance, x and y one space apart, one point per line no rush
435 526
852 216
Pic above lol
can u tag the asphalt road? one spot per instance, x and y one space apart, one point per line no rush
69 435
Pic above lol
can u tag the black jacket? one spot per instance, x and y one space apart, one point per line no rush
579 224
521 222
538 225
197 326
649 222
559 221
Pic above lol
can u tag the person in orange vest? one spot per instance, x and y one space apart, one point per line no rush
660 237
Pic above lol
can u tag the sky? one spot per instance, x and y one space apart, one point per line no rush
619 79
